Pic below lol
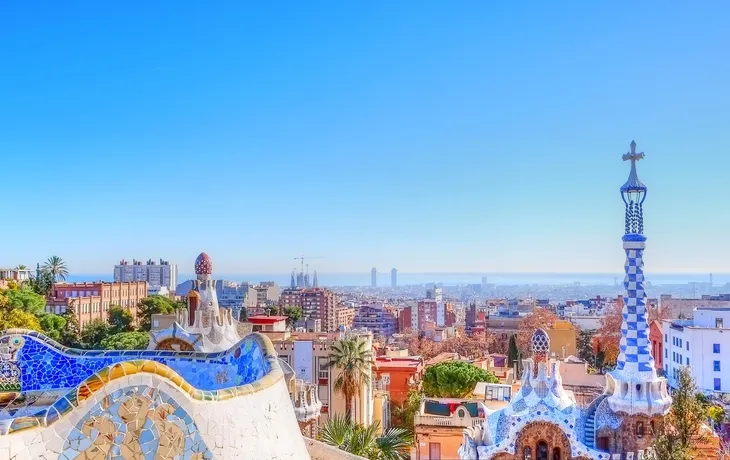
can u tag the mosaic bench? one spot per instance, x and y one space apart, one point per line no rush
57 402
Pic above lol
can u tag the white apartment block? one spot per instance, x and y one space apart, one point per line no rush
699 344
158 275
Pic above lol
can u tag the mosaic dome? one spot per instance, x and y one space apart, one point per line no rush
540 342
203 264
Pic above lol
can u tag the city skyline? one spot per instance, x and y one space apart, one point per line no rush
484 139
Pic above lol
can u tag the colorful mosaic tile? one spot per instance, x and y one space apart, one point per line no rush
41 364
136 423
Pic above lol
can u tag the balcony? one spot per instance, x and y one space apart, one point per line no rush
439 420
450 412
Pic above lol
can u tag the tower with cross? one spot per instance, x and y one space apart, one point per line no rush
634 387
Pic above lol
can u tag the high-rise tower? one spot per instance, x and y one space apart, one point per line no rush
394 278
634 387
373 277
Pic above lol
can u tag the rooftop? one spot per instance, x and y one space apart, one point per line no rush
263 319
387 362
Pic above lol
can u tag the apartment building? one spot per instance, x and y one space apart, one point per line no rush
376 318
345 316
699 344
316 304
160 276
427 311
92 300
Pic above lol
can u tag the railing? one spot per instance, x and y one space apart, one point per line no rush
439 420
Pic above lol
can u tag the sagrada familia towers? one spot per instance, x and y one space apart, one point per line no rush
542 422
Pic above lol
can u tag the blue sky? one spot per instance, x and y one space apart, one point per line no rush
429 136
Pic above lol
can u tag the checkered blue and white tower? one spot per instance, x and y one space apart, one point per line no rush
634 386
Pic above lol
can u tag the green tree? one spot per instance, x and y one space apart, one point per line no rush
42 284
154 305
126 341
56 267
293 314
716 414
21 267
26 300
94 332
584 344
681 428
513 353
17 318
71 333
403 415
341 432
454 379
120 319
53 326
354 360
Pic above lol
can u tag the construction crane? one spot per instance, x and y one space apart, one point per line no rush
303 258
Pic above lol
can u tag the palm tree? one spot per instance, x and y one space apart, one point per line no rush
21 267
56 267
354 360
393 444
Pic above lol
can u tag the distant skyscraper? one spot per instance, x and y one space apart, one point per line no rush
315 283
374 277
393 278
293 283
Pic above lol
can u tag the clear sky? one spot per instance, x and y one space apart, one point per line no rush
429 136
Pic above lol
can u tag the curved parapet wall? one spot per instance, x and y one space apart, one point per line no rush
57 402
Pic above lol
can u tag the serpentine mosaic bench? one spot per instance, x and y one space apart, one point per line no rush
62 403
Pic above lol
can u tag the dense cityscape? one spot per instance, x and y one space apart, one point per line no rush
464 371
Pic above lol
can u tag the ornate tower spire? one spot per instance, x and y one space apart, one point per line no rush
634 384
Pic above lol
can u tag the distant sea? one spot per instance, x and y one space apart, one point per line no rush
363 279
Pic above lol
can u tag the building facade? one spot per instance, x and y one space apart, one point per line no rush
158 275
345 317
14 274
428 312
91 301
699 344
376 318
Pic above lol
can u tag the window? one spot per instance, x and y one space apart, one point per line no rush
716 366
680 343
716 348
687 361
687 346
666 339
639 429
718 385
556 453
542 451
528 453
718 323
666 354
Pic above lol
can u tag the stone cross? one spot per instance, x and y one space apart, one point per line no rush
633 155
